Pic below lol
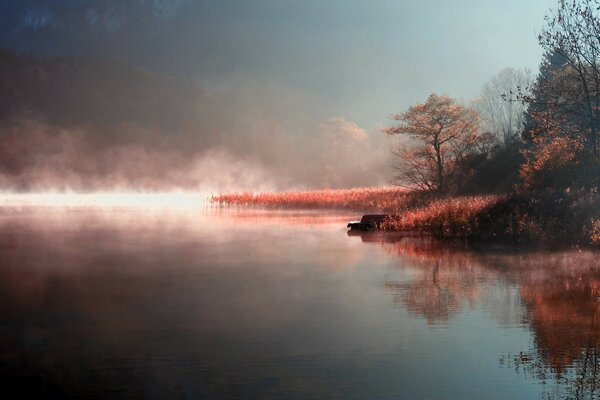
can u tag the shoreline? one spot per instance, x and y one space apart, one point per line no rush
569 219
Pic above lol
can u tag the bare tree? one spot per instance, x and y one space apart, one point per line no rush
573 30
500 107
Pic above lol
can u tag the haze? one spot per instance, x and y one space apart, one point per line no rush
280 85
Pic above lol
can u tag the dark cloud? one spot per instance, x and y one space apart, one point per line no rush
39 18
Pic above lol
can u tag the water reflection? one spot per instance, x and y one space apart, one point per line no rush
200 304
228 304
563 309
554 294
445 278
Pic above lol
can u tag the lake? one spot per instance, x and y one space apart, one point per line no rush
203 303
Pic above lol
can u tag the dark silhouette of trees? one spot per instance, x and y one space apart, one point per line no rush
543 91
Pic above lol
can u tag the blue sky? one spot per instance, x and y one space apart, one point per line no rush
378 58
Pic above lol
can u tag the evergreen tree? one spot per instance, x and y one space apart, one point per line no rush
545 90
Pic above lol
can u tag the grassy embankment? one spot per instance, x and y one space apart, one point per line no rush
551 217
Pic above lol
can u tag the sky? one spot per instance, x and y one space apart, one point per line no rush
295 90
361 60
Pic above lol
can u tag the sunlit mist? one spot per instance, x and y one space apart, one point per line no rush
106 199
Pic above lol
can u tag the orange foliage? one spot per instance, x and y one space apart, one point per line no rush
557 148
410 210
449 217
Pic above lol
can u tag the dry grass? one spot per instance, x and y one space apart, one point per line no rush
454 217
553 217
410 210
361 199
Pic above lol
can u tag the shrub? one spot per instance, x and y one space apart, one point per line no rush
454 217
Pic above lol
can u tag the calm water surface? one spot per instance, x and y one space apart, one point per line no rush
231 304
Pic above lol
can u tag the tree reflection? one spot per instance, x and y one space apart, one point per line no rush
563 310
557 295
438 293
446 280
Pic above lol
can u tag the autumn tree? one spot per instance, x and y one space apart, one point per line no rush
553 158
564 112
554 133
445 134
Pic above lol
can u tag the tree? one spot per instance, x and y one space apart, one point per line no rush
542 94
553 158
573 31
554 132
446 134
501 110
563 117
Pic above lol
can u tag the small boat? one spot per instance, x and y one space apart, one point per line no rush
368 222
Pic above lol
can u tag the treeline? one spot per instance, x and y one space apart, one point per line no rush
535 140
528 134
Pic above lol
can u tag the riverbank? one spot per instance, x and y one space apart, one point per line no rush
553 217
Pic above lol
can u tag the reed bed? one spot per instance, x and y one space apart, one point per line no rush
370 199
551 217
409 210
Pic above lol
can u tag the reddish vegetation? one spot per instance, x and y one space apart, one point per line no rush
414 211
556 217
453 217
362 199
